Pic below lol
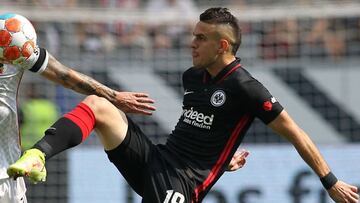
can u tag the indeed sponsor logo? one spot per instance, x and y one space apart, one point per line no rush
197 119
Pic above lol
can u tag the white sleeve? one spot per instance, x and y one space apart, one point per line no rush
37 62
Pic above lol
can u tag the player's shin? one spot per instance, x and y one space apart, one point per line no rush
69 131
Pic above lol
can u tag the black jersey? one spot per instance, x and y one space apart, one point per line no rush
216 114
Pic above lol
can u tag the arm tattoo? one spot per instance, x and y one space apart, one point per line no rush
89 85
78 82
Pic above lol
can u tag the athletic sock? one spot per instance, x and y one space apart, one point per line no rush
84 118
69 131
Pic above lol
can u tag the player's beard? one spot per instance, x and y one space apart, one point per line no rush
202 64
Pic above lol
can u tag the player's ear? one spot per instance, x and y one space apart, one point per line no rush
224 46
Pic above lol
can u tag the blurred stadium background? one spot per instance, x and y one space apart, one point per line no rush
306 52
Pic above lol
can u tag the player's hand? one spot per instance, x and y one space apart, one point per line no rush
238 160
344 193
134 102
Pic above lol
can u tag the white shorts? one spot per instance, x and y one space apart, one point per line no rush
12 191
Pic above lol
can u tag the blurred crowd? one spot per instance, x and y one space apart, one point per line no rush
321 37
287 38
333 37
143 3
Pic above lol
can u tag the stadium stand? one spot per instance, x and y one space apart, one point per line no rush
288 44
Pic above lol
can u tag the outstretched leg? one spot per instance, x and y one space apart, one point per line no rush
69 131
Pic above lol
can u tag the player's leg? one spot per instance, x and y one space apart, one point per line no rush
125 144
70 130
75 126
166 183
111 123
65 133
131 156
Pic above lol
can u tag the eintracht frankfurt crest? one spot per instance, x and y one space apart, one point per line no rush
218 98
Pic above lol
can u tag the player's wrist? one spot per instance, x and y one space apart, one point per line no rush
329 180
39 62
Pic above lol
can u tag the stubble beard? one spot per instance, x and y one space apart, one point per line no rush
204 66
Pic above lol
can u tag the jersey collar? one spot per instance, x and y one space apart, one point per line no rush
223 73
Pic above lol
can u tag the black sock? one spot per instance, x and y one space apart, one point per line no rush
62 135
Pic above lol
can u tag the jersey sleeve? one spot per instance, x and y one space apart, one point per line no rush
260 101
37 62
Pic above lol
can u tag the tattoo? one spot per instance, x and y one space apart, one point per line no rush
87 84
77 81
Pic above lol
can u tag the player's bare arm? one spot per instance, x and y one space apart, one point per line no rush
130 102
285 126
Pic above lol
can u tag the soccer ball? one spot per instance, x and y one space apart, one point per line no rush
17 39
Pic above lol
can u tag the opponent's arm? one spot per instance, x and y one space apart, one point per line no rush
338 190
130 102
71 79
52 69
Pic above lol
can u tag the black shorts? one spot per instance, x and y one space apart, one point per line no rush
148 172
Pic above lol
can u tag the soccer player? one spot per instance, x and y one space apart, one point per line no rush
47 66
220 102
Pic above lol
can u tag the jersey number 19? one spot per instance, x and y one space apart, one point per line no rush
174 197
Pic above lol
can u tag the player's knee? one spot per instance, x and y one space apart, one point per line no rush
99 105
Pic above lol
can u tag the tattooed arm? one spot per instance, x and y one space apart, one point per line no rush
130 102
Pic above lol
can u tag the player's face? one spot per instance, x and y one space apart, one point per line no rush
205 45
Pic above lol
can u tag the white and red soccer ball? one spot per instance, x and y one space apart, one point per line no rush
17 38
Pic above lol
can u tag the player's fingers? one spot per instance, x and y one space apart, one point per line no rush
239 156
353 199
355 195
140 94
234 160
146 107
242 163
233 167
354 188
244 153
145 100
236 154
242 157
142 111
237 163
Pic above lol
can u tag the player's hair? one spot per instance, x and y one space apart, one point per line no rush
222 16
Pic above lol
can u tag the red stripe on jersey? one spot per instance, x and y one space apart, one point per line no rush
83 117
225 153
228 73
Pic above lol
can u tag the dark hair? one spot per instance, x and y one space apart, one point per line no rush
223 16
